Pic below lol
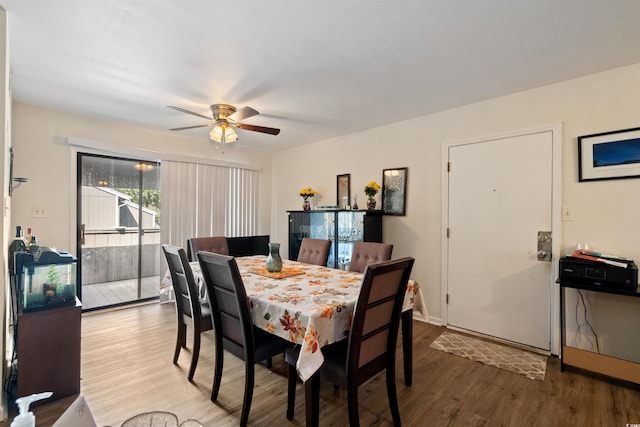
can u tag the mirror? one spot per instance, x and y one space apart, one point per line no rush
343 190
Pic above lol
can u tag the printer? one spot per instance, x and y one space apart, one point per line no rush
611 273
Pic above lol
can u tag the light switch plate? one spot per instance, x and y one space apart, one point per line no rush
568 213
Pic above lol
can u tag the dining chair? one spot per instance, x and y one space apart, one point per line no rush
234 330
369 349
189 309
314 251
365 253
248 245
215 244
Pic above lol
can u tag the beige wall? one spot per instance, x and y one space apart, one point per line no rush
606 212
43 155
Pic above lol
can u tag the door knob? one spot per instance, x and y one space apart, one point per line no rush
544 246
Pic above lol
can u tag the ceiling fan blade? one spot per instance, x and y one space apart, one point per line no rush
243 113
262 129
189 112
192 127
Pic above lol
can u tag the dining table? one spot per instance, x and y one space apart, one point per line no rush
309 305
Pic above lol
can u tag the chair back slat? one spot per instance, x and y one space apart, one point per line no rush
230 317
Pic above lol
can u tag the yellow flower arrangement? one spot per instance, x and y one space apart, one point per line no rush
308 192
371 189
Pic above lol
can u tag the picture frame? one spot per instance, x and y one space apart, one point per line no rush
10 171
14 182
609 155
394 190
343 190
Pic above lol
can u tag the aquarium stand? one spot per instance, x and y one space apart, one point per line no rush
48 351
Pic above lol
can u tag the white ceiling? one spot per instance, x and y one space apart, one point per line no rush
314 68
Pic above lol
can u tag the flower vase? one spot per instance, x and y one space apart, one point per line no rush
306 206
355 203
371 203
274 262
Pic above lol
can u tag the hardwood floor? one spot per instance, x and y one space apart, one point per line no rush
127 369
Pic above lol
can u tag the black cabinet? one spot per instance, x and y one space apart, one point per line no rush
342 227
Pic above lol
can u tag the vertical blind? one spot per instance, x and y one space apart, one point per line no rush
204 200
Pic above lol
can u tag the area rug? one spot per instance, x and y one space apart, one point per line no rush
511 359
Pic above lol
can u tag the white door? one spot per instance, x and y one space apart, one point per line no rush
499 197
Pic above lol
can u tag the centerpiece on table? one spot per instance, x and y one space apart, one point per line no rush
305 193
371 189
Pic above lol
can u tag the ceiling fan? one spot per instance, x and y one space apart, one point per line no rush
225 119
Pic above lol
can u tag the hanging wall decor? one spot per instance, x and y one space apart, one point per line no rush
343 190
609 155
394 190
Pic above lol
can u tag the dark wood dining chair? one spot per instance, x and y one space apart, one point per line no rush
215 244
189 309
314 251
365 253
369 349
234 330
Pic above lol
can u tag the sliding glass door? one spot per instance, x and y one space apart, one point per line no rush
119 230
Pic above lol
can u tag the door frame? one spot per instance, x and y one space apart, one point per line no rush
556 217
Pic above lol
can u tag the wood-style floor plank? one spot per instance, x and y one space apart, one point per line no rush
127 369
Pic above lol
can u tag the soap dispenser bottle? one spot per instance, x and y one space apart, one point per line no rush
26 418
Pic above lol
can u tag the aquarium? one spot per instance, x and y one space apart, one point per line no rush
45 280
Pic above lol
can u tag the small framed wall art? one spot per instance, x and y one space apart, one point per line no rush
394 190
609 155
343 190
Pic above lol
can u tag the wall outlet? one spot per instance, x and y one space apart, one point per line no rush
37 212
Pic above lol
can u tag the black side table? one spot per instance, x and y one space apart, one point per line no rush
595 362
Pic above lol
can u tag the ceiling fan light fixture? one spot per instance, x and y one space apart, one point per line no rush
224 118
230 135
222 132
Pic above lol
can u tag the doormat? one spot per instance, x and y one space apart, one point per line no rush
511 359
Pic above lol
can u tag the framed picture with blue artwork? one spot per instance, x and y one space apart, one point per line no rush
609 155
394 190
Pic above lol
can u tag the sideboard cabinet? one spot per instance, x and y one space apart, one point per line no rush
342 227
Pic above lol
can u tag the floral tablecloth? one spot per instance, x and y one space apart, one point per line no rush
312 309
